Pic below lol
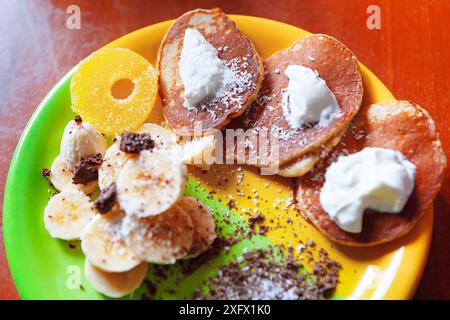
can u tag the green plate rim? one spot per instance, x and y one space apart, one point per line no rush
10 181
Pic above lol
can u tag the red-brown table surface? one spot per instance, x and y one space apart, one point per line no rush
410 54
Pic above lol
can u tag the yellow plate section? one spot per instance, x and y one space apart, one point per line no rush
390 271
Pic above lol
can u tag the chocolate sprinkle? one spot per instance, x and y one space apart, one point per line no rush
263 230
86 170
257 218
106 199
191 265
78 119
231 204
45 172
150 290
136 142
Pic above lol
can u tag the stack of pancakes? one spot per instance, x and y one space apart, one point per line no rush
306 152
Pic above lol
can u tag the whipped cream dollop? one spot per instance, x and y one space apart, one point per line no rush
203 74
80 140
374 178
307 98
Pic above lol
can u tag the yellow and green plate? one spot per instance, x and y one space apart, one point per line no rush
47 268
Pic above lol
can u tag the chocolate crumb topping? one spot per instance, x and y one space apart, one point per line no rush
231 204
263 230
219 244
86 170
106 199
45 172
257 218
78 119
261 276
136 142
311 243
150 290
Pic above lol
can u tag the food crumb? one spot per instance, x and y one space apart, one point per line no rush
45 172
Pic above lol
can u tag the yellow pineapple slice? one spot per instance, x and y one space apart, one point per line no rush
114 89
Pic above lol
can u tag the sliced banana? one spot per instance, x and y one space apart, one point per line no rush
80 140
61 178
151 183
115 284
164 139
115 159
204 225
103 246
113 163
199 152
160 239
67 214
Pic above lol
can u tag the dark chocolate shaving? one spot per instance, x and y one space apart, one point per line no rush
263 230
86 170
257 218
45 172
231 204
136 142
78 120
105 201
261 276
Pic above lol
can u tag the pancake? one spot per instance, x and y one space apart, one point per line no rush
396 125
336 64
234 49
305 163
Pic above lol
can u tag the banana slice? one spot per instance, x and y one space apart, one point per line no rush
160 239
113 163
61 178
151 183
117 284
80 140
67 214
164 139
103 246
199 152
115 159
204 225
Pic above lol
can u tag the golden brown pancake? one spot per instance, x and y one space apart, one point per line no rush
305 163
396 125
237 52
336 64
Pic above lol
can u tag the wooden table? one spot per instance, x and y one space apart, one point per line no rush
410 54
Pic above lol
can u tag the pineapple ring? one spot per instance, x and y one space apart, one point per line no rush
92 90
